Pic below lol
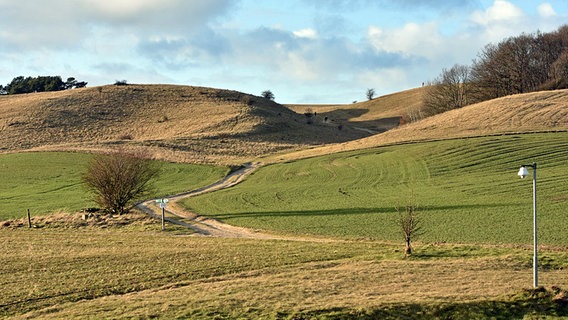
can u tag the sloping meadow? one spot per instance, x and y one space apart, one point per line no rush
466 191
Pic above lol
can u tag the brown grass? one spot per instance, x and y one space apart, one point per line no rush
195 124
545 111
180 123
347 284
380 114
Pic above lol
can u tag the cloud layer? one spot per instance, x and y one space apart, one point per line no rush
320 50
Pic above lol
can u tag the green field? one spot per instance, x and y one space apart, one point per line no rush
51 181
468 191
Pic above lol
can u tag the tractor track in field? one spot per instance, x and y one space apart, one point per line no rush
204 226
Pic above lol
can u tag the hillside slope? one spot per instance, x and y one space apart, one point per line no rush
543 111
180 123
378 115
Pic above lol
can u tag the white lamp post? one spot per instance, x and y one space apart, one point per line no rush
523 173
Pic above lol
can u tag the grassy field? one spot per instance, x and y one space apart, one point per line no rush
467 191
169 122
473 261
136 271
51 181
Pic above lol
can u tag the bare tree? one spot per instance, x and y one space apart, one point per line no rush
370 94
410 225
449 91
525 63
267 94
119 179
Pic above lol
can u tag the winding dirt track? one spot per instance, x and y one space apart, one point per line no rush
204 226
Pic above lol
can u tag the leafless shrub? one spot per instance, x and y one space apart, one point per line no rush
409 223
449 91
119 179
412 115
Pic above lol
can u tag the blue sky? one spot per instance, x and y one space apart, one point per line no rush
304 51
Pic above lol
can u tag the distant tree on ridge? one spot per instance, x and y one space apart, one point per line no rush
267 94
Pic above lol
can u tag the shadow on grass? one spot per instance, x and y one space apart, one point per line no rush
531 303
347 211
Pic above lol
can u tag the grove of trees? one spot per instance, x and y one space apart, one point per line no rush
23 84
521 64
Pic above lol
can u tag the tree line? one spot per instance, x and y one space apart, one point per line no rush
23 84
521 64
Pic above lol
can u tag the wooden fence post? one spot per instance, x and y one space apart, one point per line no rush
29 219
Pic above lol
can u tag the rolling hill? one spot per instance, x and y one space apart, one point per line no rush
545 111
196 124
377 115
179 123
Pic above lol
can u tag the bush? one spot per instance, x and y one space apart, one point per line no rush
119 179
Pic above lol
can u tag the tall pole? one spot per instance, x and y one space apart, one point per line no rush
535 238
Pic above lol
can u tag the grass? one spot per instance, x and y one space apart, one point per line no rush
174 123
136 271
51 181
467 191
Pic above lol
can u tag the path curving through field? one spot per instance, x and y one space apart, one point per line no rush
204 226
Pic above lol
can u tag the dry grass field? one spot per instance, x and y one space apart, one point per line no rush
180 123
379 114
168 275
195 124
545 111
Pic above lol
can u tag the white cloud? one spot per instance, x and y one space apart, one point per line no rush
125 9
500 12
545 10
306 33
411 40
58 24
300 68
501 20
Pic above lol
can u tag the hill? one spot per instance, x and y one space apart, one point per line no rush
196 124
377 115
180 123
545 111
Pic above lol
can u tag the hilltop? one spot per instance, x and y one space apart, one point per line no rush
179 123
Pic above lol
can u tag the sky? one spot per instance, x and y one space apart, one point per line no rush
304 51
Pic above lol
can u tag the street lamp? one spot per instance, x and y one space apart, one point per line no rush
523 173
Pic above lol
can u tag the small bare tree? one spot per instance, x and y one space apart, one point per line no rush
267 94
119 179
409 224
370 94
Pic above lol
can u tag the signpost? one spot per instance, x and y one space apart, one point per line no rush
163 203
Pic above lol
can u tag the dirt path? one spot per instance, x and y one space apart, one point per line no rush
204 226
